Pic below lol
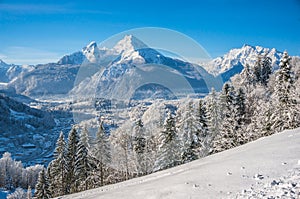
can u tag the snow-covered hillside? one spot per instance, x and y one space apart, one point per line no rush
24 130
237 58
267 166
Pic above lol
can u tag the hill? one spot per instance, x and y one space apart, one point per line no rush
267 166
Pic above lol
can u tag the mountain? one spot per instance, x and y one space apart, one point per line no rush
134 66
8 71
73 59
236 59
45 79
265 168
3 69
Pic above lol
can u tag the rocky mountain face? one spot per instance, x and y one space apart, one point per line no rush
236 59
133 65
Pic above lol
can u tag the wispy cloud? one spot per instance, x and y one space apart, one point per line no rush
47 9
25 55
31 8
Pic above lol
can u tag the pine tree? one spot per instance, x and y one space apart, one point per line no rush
70 160
240 117
19 193
247 78
83 166
203 136
188 129
84 136
102 152
42 187
139 147
58 168
214 116
168 152
227 137
286 113
54 187
257 69
266 70
262 70
191 130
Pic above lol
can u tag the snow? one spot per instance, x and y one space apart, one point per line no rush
3 85
28 145
252 169
245 55
129 43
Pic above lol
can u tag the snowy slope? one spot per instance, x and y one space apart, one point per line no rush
240 57
223 175
21 125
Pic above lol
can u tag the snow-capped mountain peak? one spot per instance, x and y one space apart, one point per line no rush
129 49
239 57
92 52
129 43
93 44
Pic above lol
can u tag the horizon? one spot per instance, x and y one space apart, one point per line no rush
35 32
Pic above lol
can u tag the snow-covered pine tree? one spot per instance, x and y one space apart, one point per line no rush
247 78
240 116
203 136
286 113
102 152
213 115
84 136
257 69
226 138
266 70
83 166
19 193
192 128
187 127
52 180
168 151
42 187
263 120
71 152
58 168
262 70
139 147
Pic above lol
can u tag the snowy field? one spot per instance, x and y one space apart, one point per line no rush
266 167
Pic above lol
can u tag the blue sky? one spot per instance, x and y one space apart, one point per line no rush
42 31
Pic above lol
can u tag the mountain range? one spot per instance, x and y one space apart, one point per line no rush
103 71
